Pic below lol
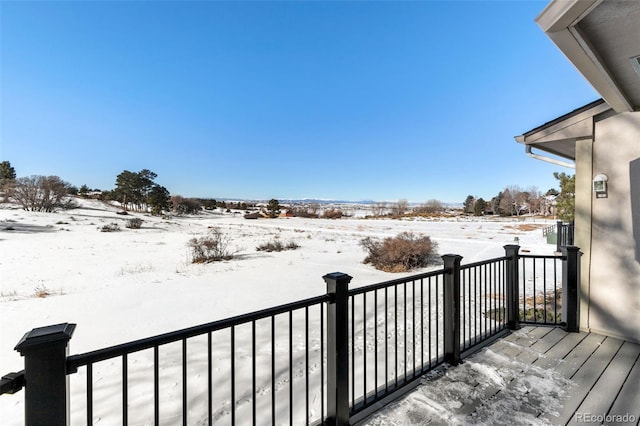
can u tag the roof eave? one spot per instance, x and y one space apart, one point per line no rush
558 137
559 21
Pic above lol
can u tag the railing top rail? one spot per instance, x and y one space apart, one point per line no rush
390 283
484 262
542 256
75 361
12 382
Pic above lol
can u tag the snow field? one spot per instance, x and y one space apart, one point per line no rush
132 284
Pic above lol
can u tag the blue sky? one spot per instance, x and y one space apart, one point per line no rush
283 99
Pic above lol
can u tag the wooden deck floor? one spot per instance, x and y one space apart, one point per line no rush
604 373
532 376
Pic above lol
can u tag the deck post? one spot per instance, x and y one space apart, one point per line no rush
452 324
46 399
338 348
513 275
570 284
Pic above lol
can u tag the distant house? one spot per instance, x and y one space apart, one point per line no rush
602 139
548 206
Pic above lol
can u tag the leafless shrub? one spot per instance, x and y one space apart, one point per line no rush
430 207
40 193
333 214
111 227
211 248
138 268
134 223
184 206
41 291
311 213
277 245
379 209
401 253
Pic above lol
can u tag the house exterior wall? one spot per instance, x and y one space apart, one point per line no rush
612 286
582 235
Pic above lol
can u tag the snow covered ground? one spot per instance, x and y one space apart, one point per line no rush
122 286
525 390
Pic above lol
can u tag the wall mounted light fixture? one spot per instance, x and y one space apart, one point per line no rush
600 185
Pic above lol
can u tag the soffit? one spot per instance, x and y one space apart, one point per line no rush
600 37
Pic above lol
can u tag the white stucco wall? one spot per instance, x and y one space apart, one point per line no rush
614 268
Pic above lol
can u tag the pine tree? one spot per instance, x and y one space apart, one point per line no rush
479 207
566 201
495 204
7 172
84 190
468 204
7 176
273 208
158 199
133 188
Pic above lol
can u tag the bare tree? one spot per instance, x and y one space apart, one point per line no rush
521 202
507 203
431 206
313 209
39 193
182 205
400 207
535 200
379 208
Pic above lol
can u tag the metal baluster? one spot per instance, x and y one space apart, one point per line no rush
233 374
209 378
89 394
125 390
184 382
291 367
253 371
156 386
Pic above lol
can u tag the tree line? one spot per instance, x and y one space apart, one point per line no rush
138 191
134 191
515 201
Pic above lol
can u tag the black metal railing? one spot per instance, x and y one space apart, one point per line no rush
483 304
226 352
396 335
562 234
565 234
548 288
331 359
540 289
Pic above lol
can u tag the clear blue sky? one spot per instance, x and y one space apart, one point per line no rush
283 99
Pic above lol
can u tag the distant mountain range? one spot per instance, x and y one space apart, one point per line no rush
326 202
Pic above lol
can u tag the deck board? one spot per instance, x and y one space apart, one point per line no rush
600 398
588 374
628 399
514 345
604 371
